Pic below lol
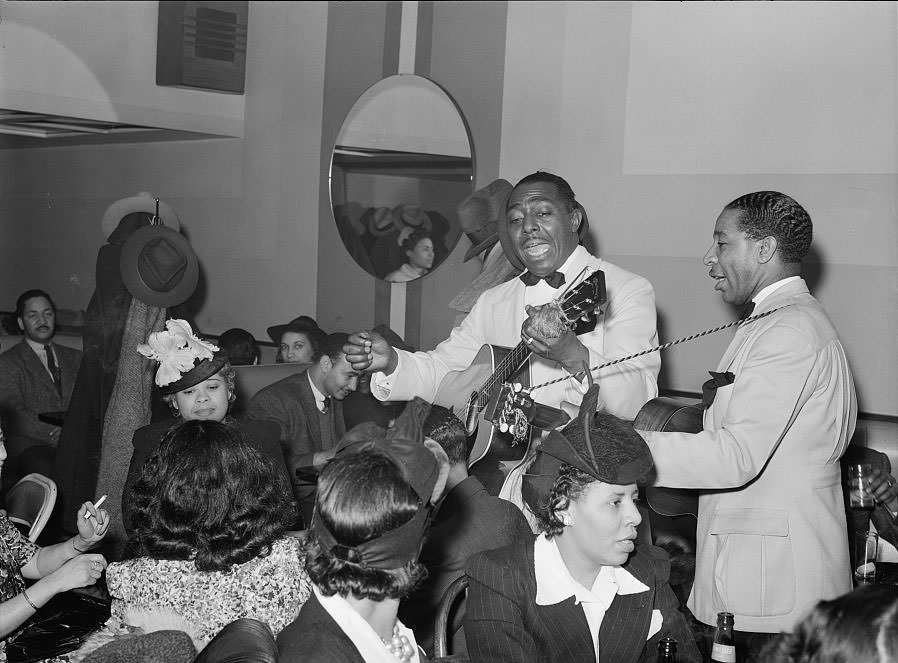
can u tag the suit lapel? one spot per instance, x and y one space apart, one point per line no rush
308 405
626 623
34 366
567 627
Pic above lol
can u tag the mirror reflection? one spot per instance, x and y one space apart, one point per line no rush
401 164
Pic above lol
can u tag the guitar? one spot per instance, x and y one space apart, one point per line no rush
474 393
669 414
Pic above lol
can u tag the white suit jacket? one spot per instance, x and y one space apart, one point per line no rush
773 541
627 327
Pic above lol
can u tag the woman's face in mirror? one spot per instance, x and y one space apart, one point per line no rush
422 255
296 348
207 400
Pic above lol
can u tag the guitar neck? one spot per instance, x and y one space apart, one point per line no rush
504 370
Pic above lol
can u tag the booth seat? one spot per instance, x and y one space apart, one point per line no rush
250 379
63 338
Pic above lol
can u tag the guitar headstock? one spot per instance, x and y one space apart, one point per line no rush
584 302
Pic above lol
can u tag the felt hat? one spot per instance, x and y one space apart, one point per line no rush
378 221
479 215
184 359
411 216
496 270
142 202
303 324
596 443
159 267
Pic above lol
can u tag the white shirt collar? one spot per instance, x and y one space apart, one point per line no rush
319 397
773 287
368 643
554 583
38 347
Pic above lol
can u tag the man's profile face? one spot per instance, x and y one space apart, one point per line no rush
543 232
340 379
733 260
38 319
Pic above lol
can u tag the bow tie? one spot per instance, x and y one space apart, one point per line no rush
555 279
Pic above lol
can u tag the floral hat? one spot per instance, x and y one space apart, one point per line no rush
184 358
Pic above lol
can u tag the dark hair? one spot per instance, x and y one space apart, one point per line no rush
774 214
858 626
448 431
240 345
568 486
565 192
207 494
360 497
331 346
31 294
410 242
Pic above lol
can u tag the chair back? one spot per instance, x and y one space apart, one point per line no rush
441 635
252 379
30 502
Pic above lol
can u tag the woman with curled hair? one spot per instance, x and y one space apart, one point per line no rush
583 589
371 511
209 523
419 255
859 626
197 382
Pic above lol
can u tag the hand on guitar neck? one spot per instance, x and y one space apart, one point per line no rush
369 351
565 349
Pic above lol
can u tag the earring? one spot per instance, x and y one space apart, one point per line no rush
566 519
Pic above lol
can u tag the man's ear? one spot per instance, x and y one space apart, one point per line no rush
21 324
325 364
767 249
576 220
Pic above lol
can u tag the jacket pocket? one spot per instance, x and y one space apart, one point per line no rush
754 570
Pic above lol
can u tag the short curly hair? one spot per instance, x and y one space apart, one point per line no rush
569 485
360 497
230 377
774 214
208 495
565 192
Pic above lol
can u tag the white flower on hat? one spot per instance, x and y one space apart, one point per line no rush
176 349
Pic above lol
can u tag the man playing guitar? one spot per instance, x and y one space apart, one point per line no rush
540 233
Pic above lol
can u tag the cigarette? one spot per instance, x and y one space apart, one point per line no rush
96 506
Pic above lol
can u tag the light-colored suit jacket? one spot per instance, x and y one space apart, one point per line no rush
627 327
26 390
772 541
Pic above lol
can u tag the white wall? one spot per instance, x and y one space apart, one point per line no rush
661 113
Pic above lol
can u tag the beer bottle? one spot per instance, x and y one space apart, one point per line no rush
724 650
667 650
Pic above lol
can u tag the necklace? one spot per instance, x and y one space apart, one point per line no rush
399 645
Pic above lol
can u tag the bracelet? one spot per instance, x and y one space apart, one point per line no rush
30 602
77 549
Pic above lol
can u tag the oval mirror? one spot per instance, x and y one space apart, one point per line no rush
401 164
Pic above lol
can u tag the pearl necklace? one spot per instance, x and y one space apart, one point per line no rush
399 645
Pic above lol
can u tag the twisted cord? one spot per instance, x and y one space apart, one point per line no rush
658 348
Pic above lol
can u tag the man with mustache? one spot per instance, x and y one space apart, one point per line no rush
772 538
539 230
36 376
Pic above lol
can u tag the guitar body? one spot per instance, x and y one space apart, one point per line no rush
669 414
458 391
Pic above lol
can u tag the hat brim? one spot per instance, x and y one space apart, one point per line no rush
479 247
142 202
135 283
275 332
201 371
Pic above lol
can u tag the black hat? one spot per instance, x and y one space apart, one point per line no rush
303 325
159 267
203 369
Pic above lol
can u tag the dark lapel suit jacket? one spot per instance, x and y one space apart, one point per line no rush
314 637
261 434
26 389
504 623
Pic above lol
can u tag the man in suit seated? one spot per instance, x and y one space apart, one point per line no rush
309 410
36 376
467 521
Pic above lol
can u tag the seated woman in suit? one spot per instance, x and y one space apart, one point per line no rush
209 517
583 590
197 382
372 508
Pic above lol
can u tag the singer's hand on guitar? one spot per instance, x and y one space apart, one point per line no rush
369 351
566 349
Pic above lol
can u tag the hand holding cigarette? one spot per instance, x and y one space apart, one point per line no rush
97 505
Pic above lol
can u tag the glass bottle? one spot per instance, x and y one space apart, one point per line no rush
667 650
724 650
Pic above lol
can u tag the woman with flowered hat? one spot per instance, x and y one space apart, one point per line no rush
197 382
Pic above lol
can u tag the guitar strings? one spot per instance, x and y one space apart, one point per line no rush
657 348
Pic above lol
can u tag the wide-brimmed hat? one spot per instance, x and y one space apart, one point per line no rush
184 359
158 266
302 325
411 216
479 215
142 202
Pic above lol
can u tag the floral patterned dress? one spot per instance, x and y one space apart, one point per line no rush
15 551
269 588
